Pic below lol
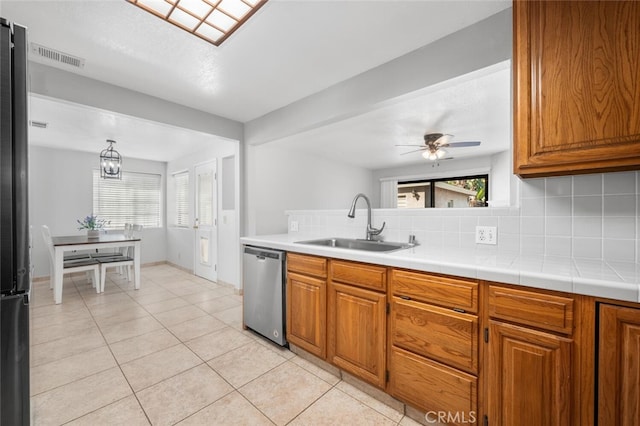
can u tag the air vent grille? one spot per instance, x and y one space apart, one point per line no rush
39 124
55 55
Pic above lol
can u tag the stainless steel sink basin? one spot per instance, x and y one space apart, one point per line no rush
356 244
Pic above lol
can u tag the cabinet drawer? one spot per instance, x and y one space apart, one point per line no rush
431 386
450 292
442 334
553 313
359 274
309 265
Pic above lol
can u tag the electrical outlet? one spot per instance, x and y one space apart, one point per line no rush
486 234
293 226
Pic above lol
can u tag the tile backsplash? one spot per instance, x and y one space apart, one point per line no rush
584 216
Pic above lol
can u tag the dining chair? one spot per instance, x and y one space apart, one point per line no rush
131 230
75 256
87 264
113 262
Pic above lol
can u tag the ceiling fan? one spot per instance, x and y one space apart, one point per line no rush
434 144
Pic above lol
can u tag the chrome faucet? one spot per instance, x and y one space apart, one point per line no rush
352 213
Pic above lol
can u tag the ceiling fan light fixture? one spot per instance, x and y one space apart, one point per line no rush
430 155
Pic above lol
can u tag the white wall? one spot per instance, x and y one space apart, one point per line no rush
280 179
277 179
478 46
61 191
181 241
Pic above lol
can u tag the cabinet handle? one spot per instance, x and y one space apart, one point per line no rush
405 297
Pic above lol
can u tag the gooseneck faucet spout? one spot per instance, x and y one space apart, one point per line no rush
352 213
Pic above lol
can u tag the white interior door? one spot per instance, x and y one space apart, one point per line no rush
206 222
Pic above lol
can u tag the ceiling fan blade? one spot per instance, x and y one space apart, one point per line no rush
411 145
460 144
415 150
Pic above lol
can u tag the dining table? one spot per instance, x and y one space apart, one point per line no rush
68 243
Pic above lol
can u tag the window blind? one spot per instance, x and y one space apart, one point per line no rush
134 199
205 198
181 186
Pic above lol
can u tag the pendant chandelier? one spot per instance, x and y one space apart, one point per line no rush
110 162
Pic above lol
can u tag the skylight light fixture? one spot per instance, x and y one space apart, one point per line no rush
211 20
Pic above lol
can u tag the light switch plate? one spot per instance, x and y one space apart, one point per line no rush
486 234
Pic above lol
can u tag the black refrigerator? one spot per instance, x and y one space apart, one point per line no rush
14 228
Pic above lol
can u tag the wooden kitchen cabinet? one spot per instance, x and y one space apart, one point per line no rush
529 377
433 341
481 351
307 303
618 366
530 357
356 320
432 386
576 87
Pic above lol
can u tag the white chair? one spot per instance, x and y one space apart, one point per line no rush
75 256
91 266
122 260
112 262
130 231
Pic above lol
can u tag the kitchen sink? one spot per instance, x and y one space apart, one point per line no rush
357 244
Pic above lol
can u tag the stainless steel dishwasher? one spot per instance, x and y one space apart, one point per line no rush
264 296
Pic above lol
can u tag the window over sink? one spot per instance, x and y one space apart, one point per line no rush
134 199
455 192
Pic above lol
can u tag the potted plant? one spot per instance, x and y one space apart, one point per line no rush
93 225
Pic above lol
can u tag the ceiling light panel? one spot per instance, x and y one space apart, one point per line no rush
211 20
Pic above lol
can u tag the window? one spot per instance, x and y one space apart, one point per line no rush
205 198
458 192
134 199
181 187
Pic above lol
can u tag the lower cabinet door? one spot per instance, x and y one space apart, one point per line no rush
357 328
529 380
306 313
619 366
442 392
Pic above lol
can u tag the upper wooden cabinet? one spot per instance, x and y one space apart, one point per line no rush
576 87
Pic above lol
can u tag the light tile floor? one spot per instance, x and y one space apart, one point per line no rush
174 352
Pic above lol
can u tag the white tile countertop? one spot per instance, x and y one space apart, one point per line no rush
613 280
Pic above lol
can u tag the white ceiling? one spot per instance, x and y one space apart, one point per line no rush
83 128
288 50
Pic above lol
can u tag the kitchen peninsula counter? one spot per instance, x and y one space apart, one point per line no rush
609 279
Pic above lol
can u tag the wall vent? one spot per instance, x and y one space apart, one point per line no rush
39 124
55 55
